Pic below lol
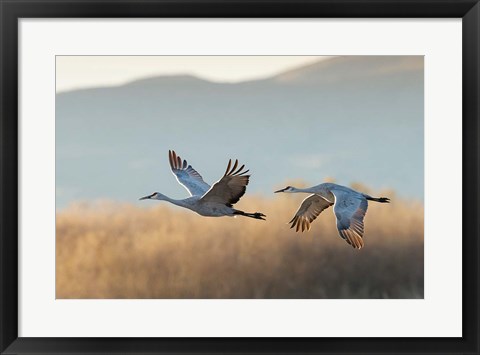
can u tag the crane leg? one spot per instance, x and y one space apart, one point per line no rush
256 215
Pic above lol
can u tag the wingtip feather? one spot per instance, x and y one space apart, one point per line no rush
234 167
170 158
238 170
174 159
228 167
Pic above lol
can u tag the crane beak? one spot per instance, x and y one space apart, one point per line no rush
145 198
281 190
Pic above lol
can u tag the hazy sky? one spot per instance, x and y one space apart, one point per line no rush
75 72
112 142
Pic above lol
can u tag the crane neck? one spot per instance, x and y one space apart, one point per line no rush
162 197
318 189
307 190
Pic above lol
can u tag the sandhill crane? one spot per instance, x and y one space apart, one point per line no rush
349 207
214 201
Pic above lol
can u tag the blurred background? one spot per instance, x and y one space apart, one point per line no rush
355 120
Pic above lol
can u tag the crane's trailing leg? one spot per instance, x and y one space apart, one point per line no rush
256 215
379 199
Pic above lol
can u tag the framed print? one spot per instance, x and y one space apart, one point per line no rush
230 177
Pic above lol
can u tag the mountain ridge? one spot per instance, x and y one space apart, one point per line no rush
294 75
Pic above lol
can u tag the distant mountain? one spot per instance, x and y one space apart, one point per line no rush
352 118
348 70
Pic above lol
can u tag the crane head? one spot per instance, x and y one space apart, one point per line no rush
287 189
152 196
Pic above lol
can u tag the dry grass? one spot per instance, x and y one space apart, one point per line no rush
109 250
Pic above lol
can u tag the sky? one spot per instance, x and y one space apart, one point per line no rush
111 141
79 72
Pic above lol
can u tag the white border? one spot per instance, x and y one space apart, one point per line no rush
438 315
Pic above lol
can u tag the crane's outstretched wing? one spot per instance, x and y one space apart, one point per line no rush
230 187
350 208
187 176
310 208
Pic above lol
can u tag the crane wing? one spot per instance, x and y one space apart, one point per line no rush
230 187
187 176
350 209
310 208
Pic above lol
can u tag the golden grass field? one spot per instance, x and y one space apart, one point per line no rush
112 250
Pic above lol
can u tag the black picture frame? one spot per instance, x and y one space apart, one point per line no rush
12 10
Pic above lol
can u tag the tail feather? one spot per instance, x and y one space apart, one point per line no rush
379 199
256 215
